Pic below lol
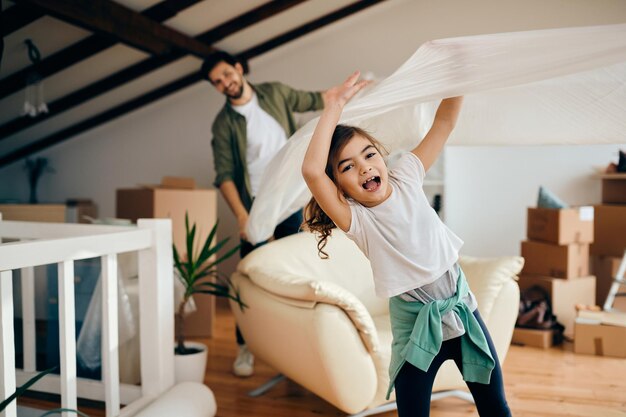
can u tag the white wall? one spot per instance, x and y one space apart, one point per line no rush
171 137
488 189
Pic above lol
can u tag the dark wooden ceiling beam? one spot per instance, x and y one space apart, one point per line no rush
91 122
16 17
85 48
130 27
172 87
87 93
143 67
167 9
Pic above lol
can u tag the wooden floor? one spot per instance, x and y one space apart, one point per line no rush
538 383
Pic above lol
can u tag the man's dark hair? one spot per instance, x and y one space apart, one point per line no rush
215 58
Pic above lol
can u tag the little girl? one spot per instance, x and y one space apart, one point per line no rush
413 254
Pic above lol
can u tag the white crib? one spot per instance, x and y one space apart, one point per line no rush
55 243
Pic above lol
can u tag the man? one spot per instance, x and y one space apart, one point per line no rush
250 129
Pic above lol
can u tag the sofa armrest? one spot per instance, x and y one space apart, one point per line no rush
317 346
299 289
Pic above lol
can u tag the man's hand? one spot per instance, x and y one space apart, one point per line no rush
242 220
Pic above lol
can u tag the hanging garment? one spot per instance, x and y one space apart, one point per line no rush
546 87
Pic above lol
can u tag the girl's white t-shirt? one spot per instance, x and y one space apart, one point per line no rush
407 244
265 137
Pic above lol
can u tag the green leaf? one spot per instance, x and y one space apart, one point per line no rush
4 404
207 243
191 237
211 251
177 263
227 255
206 273
193 269
219 287
238 299
214 292
226 279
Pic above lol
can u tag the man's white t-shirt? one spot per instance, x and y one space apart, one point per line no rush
265 137
407 244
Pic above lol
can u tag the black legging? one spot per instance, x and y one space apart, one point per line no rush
414 386
289 226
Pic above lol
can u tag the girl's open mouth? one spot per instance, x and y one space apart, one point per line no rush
371 184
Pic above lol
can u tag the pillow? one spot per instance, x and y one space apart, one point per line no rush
547 199
486 276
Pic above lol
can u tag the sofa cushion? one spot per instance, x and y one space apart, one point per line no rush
297 256
486 276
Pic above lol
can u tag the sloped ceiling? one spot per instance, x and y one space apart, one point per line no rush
96 65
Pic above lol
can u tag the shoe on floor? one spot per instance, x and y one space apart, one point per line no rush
244 363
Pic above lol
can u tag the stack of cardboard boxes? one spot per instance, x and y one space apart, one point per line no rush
603 333
610 236
556 258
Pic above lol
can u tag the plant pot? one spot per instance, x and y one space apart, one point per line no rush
191 367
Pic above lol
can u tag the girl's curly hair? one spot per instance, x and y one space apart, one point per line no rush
315 219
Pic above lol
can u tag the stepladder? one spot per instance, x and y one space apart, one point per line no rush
617 286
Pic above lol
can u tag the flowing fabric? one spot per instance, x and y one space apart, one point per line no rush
547 87
88 344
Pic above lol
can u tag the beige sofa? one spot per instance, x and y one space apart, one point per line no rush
319 323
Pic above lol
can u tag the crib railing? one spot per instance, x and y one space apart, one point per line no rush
56 243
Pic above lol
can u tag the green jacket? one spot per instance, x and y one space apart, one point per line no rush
229 131
417 336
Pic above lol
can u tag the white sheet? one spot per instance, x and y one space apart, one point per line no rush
558 86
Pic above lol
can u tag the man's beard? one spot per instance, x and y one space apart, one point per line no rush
237 95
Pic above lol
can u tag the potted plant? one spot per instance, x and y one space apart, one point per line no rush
199 275
36 168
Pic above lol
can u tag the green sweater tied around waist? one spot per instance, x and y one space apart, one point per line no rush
417 336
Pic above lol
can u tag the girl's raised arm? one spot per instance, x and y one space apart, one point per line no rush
314 166
430 147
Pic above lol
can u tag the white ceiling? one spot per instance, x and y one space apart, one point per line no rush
51 35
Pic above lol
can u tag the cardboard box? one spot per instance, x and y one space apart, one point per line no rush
609 229
72 212
78 211
50 213
605 269
612 318
564 295
560 226
156 202
532 337
558 261
614 188
601 334
178 182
